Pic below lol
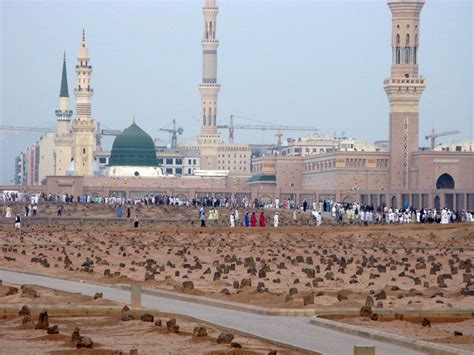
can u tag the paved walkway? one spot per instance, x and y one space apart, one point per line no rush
295 331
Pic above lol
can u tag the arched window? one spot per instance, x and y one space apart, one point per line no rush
407 39
398 56
210 31
416 40
398 39
407 55
445 181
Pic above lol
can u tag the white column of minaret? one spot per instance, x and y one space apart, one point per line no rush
209 88
83 91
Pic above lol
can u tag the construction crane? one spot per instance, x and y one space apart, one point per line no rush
103 132
232 127
174 133
27 129
434 135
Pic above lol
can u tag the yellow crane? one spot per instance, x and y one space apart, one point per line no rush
279 128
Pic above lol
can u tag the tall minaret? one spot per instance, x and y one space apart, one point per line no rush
209 88
63 140
63 114
404 89
83 126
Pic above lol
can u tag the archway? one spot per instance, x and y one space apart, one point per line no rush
437 202
348 199
445 181
394 202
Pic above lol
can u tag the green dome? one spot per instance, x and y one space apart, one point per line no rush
133 147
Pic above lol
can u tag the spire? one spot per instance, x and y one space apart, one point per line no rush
133 119
83 37
64 90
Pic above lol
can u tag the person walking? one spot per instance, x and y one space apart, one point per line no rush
232 220
129 212
17 222
8 212
276 220
262 219
253 220
247 219
35 210
202 216
136 221
60 211
119 212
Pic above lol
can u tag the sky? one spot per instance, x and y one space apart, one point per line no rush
292 62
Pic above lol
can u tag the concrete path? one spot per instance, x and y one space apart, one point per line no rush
296 331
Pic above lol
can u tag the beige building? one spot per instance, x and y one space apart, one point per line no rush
83 126
404 176
46 159
467 146
320 144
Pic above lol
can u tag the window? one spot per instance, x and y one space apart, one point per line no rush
194 161
169 171
179 161
102 160
83 150
179 171
169 161
160 162
189 161
190 171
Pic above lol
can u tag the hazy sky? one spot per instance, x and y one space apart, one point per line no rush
299 62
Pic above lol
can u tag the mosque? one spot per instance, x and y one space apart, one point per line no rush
401 177
133 154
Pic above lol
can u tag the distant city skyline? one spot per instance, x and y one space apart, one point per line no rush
318 63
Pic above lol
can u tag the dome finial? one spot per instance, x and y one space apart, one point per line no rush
133 118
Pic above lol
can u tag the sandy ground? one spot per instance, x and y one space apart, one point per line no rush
400 266
442 332
108 333
419 267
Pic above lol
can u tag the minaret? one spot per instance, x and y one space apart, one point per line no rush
63 114
404 89
83 126
209 88
63 140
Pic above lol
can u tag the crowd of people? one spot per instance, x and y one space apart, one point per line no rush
250 219
343 213
354 212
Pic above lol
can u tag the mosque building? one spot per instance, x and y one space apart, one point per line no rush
133 154
400 177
